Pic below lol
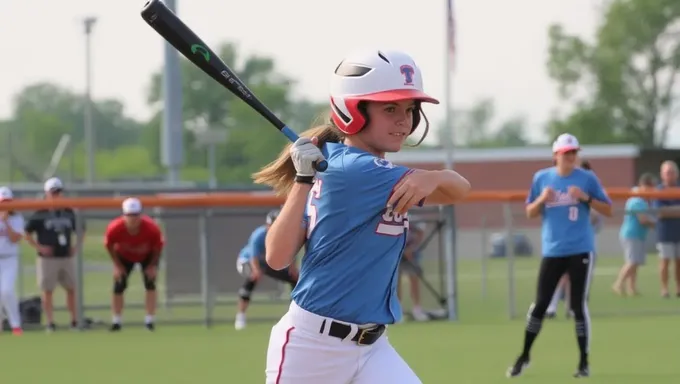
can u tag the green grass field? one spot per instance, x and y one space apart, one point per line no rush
634 339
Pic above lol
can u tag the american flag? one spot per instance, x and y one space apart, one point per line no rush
451 30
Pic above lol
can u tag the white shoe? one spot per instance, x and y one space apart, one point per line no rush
240 322
419 315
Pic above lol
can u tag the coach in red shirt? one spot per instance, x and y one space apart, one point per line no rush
133 238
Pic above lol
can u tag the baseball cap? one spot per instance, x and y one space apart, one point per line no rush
6 194
565 143
53 184
132 206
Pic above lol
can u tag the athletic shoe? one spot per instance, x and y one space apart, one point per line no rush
115 327
550 315
150 326
17 331
583 370
521 363
240 322
419 315
51 327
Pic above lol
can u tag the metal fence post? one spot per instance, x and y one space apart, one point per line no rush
80 271
205 267
510 254
485 267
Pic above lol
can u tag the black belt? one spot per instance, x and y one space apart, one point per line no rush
365 336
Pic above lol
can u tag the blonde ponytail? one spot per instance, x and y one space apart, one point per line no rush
280 173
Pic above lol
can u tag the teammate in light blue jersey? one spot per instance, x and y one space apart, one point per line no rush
353 220
252 266
563 197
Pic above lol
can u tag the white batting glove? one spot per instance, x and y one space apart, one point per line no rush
304 154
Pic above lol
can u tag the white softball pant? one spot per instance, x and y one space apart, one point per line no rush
9 268
301 353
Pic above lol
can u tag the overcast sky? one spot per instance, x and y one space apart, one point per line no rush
501 44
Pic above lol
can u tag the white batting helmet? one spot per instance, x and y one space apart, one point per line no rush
382 76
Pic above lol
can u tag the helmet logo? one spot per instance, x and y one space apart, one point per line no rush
407 71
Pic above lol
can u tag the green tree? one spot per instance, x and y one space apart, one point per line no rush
44 112
621 85
206 104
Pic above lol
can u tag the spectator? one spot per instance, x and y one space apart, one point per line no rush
410 266
11 232
633 235
562 290
131 239
251 264
54 229
668 228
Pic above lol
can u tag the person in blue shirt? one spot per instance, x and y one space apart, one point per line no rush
633 235
563 196
353 221
562 290
252 266
668 228
410 266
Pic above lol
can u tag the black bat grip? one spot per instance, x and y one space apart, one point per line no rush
321 165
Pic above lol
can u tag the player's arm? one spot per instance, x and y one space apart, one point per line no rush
597 197
110 241
80 231
157 245
30 228
286 235
665 210
15 228
535 199
450 188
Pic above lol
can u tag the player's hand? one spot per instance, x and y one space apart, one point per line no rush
151 271
44 250
255 274
72 251
410 191
547 194
577 193
304 154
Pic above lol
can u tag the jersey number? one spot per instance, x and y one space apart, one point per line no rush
573 213
312 211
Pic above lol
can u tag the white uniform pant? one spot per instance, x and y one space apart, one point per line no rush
9 268
299 353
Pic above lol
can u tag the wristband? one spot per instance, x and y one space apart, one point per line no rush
588 201
304 179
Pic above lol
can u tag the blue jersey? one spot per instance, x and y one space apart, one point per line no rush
566 228
255 247
354 243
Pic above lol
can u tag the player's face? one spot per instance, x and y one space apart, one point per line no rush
132 221
53 194
389 125
668 174
567 159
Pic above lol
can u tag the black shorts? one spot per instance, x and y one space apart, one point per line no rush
130 265
579 269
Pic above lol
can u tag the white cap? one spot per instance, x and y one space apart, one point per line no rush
565 143
132 206
53 184
6 194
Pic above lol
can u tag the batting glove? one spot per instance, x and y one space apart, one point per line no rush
304 154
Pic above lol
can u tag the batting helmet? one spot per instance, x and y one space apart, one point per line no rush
381 76
272 215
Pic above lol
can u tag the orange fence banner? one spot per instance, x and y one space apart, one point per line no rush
260 199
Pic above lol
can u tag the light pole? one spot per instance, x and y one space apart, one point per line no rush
89 22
